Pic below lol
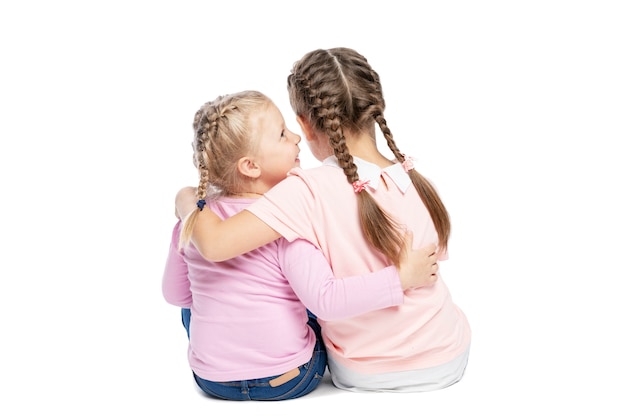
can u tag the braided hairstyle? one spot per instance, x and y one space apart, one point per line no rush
338 92
222 135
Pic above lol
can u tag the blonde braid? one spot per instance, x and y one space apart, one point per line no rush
222 135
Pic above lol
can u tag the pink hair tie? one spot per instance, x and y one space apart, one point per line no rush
408 164
359 185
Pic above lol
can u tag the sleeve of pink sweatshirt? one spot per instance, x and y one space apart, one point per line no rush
330 298
175 284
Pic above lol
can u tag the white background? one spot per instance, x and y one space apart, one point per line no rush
515 109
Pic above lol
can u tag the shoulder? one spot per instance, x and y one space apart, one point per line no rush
320 174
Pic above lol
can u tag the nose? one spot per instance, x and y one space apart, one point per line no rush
296 137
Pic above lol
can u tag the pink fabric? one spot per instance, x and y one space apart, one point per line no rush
247 319
319 205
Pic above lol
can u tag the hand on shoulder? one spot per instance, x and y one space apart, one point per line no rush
185 202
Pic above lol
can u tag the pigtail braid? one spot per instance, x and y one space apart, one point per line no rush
380 229
425 189
222 135
202 128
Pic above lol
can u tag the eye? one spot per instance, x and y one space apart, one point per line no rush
283 134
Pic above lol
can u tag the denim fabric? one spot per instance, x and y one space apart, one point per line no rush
311 374
186 316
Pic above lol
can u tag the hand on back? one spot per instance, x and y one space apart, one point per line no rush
418 267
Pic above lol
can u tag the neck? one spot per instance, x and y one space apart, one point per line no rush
245 195
364 147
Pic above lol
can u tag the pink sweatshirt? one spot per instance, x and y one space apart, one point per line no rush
319 205
247 317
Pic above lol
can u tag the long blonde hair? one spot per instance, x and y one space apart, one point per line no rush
222 135
338 92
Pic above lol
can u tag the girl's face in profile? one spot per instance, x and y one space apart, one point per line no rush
277 147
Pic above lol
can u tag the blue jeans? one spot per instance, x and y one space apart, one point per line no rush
310 376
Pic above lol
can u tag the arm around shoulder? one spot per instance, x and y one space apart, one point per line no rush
219 240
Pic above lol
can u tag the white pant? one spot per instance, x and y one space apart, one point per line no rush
421 380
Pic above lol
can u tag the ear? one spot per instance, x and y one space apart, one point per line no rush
305 126
248 168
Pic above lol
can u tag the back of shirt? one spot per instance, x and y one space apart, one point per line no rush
246 320
319 205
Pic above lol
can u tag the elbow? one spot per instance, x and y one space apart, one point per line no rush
330 315
326 317
177 293
182 302
211 255
210 252
327 311
329 303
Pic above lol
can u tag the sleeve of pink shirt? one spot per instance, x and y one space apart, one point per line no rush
175 283
331 298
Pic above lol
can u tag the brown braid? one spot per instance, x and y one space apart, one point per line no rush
427 192
337 91
371 217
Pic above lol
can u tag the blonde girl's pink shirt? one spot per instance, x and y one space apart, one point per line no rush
319 205
248 314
